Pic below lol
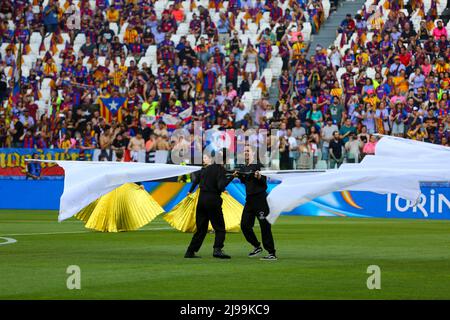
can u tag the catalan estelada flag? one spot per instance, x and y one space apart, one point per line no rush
110 108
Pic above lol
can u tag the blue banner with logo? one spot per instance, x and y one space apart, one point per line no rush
434 203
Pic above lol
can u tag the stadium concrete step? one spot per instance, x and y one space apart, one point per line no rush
273 93
327 32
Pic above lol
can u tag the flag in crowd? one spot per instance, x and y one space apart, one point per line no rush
170 121
110 108
186 115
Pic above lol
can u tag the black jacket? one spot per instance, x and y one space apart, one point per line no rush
212 179
253 186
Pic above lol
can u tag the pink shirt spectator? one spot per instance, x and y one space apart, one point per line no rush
394 99
296 35
426 69
369 147
232 94
438 33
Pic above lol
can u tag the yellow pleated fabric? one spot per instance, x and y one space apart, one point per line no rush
126 208
182 216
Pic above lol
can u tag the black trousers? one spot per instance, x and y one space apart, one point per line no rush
209 208
256 207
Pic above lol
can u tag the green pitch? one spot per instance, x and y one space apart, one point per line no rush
319 258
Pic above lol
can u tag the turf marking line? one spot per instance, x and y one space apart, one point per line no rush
8 241
72 232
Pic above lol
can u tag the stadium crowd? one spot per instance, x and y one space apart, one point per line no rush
383 75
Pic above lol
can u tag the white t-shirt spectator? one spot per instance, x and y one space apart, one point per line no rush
353 149
335 59
240 113
327 134
298 132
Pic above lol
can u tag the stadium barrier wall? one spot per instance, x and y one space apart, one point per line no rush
13 164
434 204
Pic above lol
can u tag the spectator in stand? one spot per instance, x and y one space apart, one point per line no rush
369 147
336 151
34 168
136 145
439 30
391 77
347 26
50 13
353 148
327 134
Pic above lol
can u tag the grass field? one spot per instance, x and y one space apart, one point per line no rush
319 258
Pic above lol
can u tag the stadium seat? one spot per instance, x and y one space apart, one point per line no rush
268 76
183 29
326 8
42 107
128 61
256 93
151 51
46 83
66 37
36 38
306 31
370 72
7 71
25 71
175 38
252 28
191 39
29 60
339 74
275 51
114 28
101 61
3 47
146 60
80 39
321 165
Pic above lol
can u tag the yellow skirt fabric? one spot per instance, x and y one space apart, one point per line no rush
182 216
126 208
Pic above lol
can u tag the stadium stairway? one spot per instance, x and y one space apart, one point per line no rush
273 93
326 35
327 32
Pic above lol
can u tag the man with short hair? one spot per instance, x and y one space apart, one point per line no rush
298 131
346 129
16 130
336 110
136 145
212 181
336 154
327 135
396 67
256 206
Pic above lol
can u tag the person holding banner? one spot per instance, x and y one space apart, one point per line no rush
256 206
212 181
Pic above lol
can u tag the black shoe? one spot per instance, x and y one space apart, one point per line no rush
255 252
190 254
270 257
218 253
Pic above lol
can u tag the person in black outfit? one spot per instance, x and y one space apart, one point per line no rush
336 154
212 181
256 207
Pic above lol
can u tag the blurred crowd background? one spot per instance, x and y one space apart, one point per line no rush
120 76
